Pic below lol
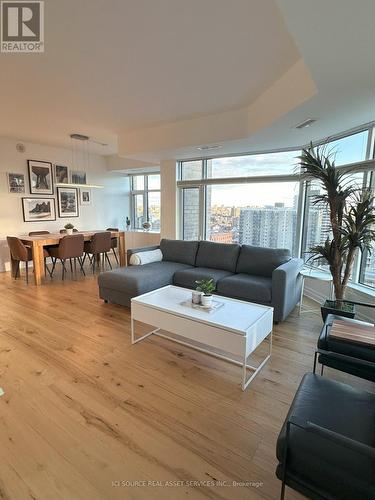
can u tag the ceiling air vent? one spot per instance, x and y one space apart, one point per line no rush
306 123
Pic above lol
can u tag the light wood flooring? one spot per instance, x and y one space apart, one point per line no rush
84 413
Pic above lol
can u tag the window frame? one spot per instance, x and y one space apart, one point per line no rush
140 192
367 166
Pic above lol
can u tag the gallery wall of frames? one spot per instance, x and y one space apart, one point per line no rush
33 195
40 183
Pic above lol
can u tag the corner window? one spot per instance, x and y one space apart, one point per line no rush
145 201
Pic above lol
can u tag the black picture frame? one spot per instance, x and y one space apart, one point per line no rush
63 213
40 177
26 216
60 171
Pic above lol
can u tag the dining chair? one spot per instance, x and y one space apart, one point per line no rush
22 253
100 244
114 241
45 250
63 231
70 247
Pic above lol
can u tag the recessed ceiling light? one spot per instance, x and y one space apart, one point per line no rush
306 123
207 147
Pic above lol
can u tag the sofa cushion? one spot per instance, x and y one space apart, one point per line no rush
261 261
136 280
217 255
187 277
334 469
180 251
245 287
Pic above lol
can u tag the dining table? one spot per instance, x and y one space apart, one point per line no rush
38 242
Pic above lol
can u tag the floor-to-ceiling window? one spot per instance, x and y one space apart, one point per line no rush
260 199
250 199
145 200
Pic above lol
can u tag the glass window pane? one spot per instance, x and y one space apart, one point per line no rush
153 181
260 214
138 182
283 163
191 170
349 149
154 210
367 274
139 215
190 204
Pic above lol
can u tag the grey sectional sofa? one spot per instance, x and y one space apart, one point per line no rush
262 275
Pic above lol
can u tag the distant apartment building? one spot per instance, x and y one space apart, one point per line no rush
222 237
269 226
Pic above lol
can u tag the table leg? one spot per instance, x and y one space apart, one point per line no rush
121 249
256 369
38 262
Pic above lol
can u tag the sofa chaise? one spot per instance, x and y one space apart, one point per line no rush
262 275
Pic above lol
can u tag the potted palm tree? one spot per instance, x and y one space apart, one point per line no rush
352 220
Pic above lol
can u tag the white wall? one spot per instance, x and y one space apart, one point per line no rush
169 213
109 206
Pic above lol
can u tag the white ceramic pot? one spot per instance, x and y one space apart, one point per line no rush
69 231
206 300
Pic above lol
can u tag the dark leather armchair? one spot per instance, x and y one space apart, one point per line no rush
347 356
326 447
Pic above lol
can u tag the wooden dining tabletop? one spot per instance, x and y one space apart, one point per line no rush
38 242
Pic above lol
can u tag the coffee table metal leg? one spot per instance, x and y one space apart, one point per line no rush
246 381
136 340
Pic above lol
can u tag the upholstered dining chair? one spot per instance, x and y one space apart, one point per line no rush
114 242
70 247
100 244
22 253
45 250
63 231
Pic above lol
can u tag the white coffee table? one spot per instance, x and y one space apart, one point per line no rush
236 329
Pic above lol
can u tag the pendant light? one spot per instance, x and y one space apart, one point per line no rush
82 143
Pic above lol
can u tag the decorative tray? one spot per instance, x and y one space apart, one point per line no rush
216 304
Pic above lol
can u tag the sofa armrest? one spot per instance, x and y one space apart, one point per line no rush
286 288
131 251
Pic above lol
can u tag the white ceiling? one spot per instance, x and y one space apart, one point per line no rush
116 67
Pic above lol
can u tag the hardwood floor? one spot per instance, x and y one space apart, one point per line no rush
84 412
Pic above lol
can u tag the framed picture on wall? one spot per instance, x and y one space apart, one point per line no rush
78 177
61 174
38 209
85 195
40 176
16 183
67 199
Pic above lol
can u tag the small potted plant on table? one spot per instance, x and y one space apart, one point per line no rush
352 220
69 228
206 286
